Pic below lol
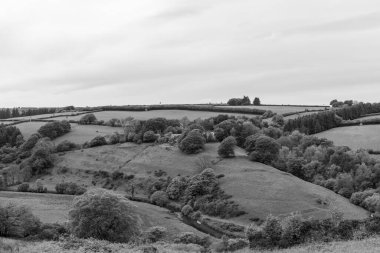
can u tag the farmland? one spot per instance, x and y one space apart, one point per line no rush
144 115
281 109
355 137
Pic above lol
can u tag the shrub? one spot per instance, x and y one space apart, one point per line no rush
69 188
358 198
24 187
17 221
55 129
372 203
191 238
66 146
176 187
97 141
40 161
201 184
88 119
191 142
292 231
226 148
186 210
149 136
266 150
255 236
104 215
154 234
272 230
30 142
236 244
159 198
114 138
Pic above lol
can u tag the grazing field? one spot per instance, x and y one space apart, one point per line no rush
29 128
355 137
368 245
281 109
54 208
145 115
294 116
44 115
258 189
79 134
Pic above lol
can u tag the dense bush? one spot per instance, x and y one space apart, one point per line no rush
191 142
191 238
266 150
226 148
115 138
17 221
54 129
154 234
186 210
24 187
177 187
159 198
149 136
30 142
9 135
66 146
104 215
88 119
69 188
97 141
40 161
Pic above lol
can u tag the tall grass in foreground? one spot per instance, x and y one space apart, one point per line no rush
369 245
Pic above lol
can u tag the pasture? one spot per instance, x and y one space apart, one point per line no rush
145 115
29 128
355 137
281 109
54 208
257 188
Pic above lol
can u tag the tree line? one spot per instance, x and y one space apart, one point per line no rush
319 122
7 113
244 101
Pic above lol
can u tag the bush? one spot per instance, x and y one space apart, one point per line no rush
66 146
17 221
55 129
186 210
191 142
30 142
292 231
272 230
88 119
358 198
24 187
255 236
159 198
115 138
40 161
191 238
176 187
104 215
97 141
266 150
154 234
69 188
226 148
149 136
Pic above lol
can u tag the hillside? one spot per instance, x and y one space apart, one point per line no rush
259 189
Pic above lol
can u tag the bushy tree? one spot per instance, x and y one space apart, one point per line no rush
30 142
226 148
66 146
149 136
88 119
191 142
97 141
159 198
257 101
266 150
176 187
104 215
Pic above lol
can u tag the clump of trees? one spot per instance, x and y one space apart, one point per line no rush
104 215
55 129
239 101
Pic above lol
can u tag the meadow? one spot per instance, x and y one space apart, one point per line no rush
145 115
281 109
355 137
79 134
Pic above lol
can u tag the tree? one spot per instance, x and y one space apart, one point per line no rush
256 101
266 150
88 119
191 142
104 215
226 148
149 136
245 101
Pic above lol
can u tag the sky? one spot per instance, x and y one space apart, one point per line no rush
118 52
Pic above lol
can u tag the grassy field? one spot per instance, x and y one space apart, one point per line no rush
299 115
355 137
144 115
369 245
79 134
44 115
52 208
280 109
259 189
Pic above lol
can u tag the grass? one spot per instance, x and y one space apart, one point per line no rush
368 245
280 109
29 128
145 115
355 137
259 189
54 208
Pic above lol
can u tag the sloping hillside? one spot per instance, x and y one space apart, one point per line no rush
259 189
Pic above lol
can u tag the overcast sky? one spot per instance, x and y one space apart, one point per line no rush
102 52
